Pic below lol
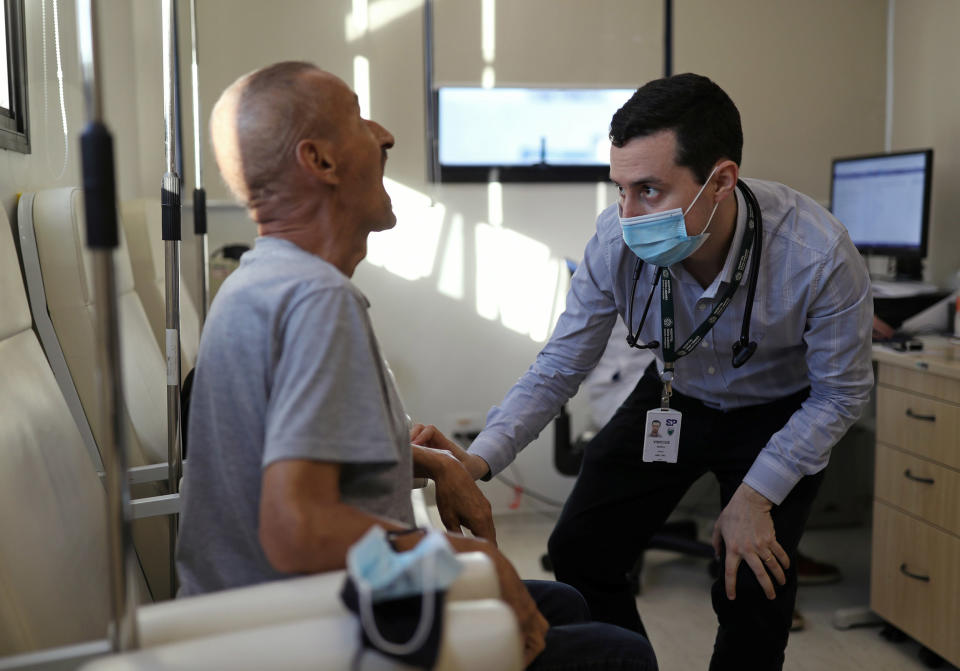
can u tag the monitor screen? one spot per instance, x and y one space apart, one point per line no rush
525 131
884 201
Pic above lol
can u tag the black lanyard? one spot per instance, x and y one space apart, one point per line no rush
743 349
668 332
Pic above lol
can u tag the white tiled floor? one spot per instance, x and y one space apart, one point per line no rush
676 609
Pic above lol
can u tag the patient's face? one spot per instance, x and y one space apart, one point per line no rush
362 150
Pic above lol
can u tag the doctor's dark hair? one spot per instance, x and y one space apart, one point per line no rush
704 118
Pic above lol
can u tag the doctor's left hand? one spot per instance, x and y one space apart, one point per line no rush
745 528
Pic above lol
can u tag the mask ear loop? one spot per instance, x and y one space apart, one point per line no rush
420 634
700 192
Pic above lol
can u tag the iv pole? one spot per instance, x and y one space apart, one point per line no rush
199 194
170 209
100 211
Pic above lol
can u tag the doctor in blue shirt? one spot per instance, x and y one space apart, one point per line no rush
759 407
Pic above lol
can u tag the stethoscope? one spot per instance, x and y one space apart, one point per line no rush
743 348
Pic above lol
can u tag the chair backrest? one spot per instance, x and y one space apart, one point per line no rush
143 226
53 550
52 222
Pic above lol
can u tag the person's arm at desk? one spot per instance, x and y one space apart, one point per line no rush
881 329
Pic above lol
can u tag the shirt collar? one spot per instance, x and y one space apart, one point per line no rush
729 265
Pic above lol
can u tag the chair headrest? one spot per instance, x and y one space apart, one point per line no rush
58 223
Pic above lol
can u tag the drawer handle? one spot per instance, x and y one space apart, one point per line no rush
925 418
915 576
911 476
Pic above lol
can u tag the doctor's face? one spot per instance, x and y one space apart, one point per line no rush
648 179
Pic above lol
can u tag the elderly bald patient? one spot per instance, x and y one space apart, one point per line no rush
299 441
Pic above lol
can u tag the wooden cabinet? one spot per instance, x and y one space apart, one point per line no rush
915 570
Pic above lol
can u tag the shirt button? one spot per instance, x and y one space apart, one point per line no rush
711 370
701 306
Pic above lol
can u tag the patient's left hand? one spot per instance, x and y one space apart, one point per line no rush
745 528
459 500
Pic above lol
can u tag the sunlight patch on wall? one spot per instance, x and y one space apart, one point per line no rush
488 42
409 249
488 30
489 78
370 17
495 203
358 20
517 281
361 83
451 271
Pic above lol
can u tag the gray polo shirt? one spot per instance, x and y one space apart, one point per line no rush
288 368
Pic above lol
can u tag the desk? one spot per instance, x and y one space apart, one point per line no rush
915 565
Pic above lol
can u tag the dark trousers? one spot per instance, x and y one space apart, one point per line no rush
619 502
575 643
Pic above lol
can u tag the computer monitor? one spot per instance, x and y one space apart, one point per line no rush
527 134
884 201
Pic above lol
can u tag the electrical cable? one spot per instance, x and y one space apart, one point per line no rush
533 494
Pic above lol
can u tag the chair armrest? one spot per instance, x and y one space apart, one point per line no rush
477 636
283 601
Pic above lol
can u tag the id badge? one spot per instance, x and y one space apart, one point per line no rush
661 439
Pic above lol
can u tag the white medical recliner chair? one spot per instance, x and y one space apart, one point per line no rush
59 273
53 554
142 227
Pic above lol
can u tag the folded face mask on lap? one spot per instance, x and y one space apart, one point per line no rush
394 575
399 596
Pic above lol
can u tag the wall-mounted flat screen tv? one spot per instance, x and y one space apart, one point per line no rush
527 134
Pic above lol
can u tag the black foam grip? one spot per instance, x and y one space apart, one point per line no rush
170 209
99 186
199 211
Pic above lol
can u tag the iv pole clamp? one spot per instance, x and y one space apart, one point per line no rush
100 212
170 211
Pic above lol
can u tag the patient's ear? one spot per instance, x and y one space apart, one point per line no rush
317 158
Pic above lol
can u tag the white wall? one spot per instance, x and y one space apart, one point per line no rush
926 113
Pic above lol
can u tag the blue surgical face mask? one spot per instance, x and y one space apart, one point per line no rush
380 574
660 238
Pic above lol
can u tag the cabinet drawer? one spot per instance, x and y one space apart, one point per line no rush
921 425
919 381
920 487
926 603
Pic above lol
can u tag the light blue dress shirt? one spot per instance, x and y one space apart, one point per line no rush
812 320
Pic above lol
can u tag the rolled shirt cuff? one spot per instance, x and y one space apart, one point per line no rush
496 456
770 478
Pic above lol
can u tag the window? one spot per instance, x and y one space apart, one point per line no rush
13 79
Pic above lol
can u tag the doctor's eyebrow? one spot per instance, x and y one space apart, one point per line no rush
643 181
